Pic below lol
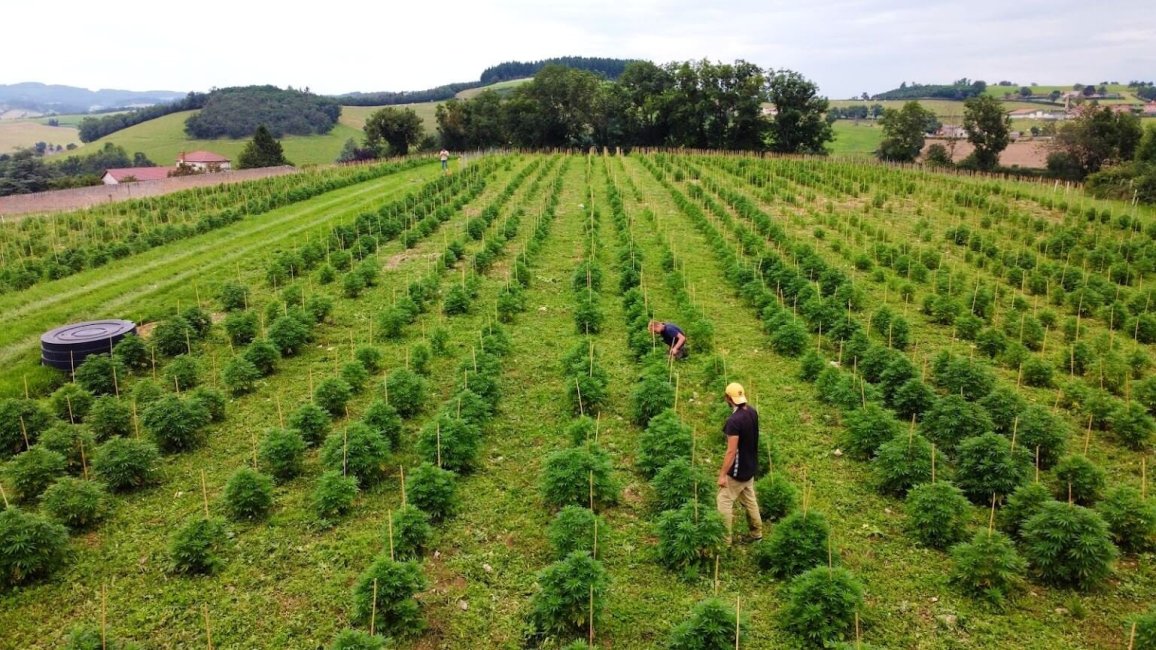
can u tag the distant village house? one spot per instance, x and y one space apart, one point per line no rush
188 163
1036 114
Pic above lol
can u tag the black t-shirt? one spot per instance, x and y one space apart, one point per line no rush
744 423
670 333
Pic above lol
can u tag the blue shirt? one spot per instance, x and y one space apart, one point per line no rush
670 333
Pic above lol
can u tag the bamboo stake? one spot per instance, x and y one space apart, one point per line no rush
402 468
373 610
103 618
4 497
208 628
389 516
738 610
205 493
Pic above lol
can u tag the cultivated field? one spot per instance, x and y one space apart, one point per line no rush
902 333
19 134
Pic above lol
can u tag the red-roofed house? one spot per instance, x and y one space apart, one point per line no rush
134 174
1150 109
204 161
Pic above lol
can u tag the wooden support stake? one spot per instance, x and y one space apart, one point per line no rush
373 609
205 493
738 619
208 628
402 468
103 618
389 525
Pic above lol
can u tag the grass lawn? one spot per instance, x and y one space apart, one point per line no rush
355 116
855 139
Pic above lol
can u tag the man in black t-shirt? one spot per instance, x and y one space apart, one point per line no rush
672 335
736 477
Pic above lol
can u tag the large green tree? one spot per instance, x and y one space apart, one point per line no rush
398 128
262 151
903 132
988 129
799 125
1099 136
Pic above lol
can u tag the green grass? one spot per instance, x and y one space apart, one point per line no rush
1129 96
354 117
502 88
287 583
164 138
855 139
22 134
948 111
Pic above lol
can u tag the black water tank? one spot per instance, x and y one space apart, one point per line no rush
67 347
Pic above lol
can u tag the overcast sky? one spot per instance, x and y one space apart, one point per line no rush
846 46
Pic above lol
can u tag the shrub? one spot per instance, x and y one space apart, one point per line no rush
711 626
777 497
76 503
264 356
248 495
357 640
173 336
867 429
678 482
333 496
573 529
952 419
318 307
1079 479
1131 519
1040 428
100 374
359 451
451 443
797 543
126 464
1145 630
397 612
457 301
288 334
199 320
31 547
988 567
1132 425
653 395
1037 372
74 443
196 547
1068 545
29 474
20 418
811 365
282 454
790 339
312 422
688 538
432 490
383 418
391 323
986 466
133 352
581 430
406 391
411 532
210 400
1003 404
959 376
821 605
937 514
332 394
355 375
146 392
109 417
902 463
562 604
588 316
240 376
174 423
182 373
439 341
666 438
912 399
1021 505
370 357
71 403
233 296
352 284
568 474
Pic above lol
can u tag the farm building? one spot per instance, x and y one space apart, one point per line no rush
204 161
951 131
1036 114
1149 110
134 174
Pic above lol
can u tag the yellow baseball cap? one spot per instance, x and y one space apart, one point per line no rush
736 393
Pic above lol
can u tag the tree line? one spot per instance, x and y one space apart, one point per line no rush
237 112
95 128
691 104
25 171
960 90
608 68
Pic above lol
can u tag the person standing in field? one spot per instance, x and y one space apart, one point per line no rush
445 156
736 477
673 336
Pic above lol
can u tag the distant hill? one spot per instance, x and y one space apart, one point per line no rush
45 98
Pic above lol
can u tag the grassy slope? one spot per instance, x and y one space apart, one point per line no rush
286 584
855 139
502 87
354 116
18 134
948 112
